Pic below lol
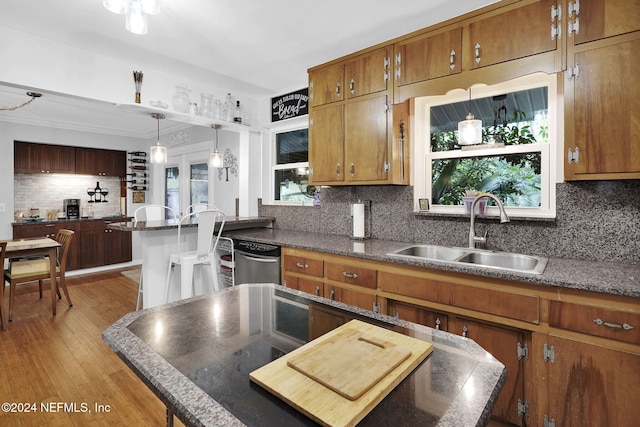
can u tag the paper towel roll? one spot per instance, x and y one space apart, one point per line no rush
358 220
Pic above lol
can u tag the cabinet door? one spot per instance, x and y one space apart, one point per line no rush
502 344
602 116
347 273
326 144
309 286
599 19
366 139
117 246
94 161
419 315
368 73
592 385
512 34
92 238
349 296
74 258
323 320
61 159
43 158
428 57
326 85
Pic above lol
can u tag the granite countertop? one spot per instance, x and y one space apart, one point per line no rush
62 221
604 277
231 223
196 354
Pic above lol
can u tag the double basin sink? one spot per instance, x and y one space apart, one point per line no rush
475 257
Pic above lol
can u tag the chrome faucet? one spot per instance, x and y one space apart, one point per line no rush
473 239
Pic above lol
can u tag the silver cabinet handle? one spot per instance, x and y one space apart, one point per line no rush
338 90
318 290
350 275
452 59
600 322
301 265
353 169
464 331
438 323
338 169
477 52
352 86
332 294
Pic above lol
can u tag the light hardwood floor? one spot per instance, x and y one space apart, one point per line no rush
47 362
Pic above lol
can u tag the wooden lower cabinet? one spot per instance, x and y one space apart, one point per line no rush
310 286
103 246
50 231
363 300
415 314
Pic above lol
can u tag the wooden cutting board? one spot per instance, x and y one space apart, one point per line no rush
340 377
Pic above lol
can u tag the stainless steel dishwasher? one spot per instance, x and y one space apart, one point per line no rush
256 262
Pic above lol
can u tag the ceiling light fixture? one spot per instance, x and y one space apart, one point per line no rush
33 96
470 130
215 158
136 12
158 152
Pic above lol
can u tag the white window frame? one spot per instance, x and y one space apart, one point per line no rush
286 126
423 157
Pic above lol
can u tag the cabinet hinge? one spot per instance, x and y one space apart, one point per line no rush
549 353
573 27
523 408
311 122
573 7
387 108
573 156
556 31
556 12
574 72
386 76
387 62
549 423
387 167
523 351
376 307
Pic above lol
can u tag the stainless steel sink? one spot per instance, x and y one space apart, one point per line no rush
479 257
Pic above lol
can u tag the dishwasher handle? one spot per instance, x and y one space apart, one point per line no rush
263 260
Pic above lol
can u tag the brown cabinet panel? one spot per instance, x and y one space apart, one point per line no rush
592 385
117 246
350 274
605 145
43 158
428 57
599 19
323 320
419 315
326 144
512 34
368 73
93 161
502 344
598 321
92 237
326 85
349 296
366 137
50 230
315 287
304 265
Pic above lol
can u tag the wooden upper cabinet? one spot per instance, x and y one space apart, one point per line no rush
92 161
43 158
598 19
369 73
326 85
366 150
506 35
428 57
326 144
602 131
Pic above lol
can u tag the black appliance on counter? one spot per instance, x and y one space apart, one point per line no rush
71 208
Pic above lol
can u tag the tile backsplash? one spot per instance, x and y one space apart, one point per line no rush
46 192
595 221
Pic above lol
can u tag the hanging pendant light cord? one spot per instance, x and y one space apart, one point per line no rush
33 96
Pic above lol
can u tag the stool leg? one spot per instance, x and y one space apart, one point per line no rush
213 261
139 292
12 295
186 280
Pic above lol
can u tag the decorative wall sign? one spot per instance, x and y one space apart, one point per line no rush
294 104
138 196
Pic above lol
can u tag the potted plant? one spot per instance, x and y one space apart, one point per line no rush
468 196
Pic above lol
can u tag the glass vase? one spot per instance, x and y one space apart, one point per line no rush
181 99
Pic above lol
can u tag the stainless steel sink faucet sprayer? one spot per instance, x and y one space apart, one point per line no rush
473 239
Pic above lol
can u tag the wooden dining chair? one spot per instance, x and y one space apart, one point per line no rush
3 313
64 237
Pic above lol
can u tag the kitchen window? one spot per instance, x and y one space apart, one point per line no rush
290 168
516 160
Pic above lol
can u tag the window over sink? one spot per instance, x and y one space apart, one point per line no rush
516 160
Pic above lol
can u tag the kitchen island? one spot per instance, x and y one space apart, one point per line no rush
196 356
160 239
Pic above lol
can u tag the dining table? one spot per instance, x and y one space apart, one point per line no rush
32 247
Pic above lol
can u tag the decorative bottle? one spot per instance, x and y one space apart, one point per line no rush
237 113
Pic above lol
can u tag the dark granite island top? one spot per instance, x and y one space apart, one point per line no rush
196 356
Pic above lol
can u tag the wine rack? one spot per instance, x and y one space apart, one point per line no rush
138 176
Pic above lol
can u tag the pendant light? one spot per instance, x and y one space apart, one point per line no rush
470 130
158 152
135 12
215 159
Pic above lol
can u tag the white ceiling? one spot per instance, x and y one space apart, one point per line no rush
267 44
